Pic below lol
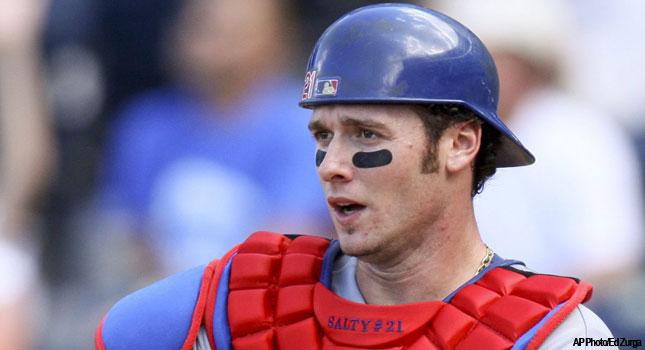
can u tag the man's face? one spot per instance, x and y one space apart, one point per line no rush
369 160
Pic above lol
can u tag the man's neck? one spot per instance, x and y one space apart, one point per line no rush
430 271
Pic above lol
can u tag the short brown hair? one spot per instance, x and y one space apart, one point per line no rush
439 117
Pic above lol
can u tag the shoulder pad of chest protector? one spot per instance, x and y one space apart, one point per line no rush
159 316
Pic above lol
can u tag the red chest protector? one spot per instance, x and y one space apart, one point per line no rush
274 300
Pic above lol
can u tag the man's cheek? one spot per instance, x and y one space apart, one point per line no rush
363 160
366 160
320 156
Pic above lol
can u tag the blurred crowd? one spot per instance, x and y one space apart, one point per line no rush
140 138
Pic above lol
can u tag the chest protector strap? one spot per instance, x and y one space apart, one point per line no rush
275 301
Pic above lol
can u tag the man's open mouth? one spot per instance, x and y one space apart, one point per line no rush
348 209
344 206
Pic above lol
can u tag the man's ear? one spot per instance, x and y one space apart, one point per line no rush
464 140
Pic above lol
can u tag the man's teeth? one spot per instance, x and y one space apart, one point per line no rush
350 208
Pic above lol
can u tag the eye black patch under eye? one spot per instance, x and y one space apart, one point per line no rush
320 156
372 159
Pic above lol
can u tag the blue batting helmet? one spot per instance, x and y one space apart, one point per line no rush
402 53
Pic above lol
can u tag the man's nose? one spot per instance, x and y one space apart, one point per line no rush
336 165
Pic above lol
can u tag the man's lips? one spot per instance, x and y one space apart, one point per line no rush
344 206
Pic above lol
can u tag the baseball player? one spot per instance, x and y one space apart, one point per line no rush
404 104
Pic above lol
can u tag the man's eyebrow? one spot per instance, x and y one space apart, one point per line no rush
353 122
315 125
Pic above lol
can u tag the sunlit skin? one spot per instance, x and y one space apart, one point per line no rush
415 234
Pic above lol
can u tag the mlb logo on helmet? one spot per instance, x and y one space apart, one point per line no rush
326 87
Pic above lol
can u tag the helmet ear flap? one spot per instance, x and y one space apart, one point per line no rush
406 54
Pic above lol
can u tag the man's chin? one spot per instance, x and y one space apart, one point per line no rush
351 243
342 233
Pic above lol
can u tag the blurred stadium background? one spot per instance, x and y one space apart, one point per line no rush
138 138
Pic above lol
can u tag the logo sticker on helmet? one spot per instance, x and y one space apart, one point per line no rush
326 87
308 89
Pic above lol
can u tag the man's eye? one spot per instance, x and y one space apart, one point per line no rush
322 135
368 134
